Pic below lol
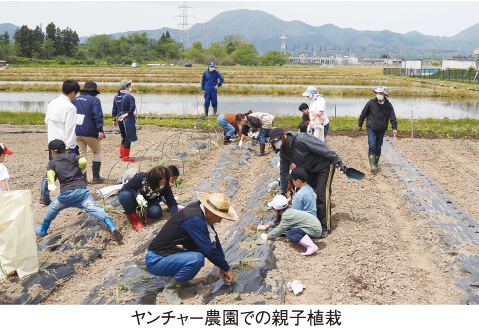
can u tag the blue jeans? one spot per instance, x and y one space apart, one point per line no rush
229 129
129 203
375 142
80 198
182 266
263 133
295 234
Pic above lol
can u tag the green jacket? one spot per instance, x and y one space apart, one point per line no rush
291 219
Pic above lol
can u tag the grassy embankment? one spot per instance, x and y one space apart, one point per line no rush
444 127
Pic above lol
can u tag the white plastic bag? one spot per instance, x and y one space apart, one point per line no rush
295 286
18 246
109 191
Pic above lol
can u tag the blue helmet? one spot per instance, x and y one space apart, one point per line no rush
211 64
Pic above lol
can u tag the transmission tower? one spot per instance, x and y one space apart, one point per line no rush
283 41
184 25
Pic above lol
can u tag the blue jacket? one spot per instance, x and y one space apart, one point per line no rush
90 107
122 104
210 80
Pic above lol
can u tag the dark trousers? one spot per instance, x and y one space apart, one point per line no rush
321 183
375 142
124 140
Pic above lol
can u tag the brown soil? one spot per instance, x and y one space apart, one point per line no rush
376 253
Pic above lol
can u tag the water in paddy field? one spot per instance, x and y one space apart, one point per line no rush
276 105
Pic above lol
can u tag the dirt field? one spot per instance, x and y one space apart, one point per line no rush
376 254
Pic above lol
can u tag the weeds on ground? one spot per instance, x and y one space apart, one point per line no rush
235 297
468 146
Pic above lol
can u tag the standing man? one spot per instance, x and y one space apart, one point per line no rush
61 118
90 130
379 112
317 108
180 248
210 83
317 159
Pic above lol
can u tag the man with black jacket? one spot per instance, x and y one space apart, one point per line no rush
180 248
379 112
317 159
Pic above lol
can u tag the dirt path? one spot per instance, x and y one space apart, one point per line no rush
376 253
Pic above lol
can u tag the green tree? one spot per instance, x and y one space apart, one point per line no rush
23 41
273 58
232 42
217 50
50 32
245 54
37 41
196 52
100 45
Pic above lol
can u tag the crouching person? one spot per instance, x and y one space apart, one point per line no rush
73 192
192 229
147 189
298 226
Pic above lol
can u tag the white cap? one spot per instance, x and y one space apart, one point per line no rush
310 91
279 202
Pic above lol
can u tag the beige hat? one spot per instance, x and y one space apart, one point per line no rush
219 204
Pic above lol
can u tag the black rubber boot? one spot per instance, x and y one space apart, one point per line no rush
261 150
206 111
215 111
96 173
227 140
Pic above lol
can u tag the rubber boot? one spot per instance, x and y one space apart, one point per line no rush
136 222
42 231
261 150
372 162
126 155
170 292
96 173
310 246
122 150
377 159
215 111
45 193
227 140
114 231
206 111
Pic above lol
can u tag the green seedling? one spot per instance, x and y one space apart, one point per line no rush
248 255
143 267
236 278
179 183
235 297
242 265
251 233
120 287
158 163
42 266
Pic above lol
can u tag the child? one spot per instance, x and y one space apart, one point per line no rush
73 192
4 176
298 226
304 199
174 175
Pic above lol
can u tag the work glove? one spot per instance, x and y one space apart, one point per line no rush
240 143
360 128
395 132
342 166
273 185
261 227
141 200
264 236
52 187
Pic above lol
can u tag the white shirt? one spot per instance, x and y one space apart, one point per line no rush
319 105
61 118
4 175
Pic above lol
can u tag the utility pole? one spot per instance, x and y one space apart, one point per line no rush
184 25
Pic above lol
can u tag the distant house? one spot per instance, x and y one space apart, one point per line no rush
458 64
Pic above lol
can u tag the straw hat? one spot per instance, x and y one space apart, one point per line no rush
219 204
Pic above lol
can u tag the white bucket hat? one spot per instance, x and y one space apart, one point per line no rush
310 91
219 204
279 203
381 89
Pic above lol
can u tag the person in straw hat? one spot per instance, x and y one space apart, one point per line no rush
180 248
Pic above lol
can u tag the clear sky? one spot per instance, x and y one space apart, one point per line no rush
443 18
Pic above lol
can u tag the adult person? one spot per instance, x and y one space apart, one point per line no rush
61 118
211 81
228 122
4 176
262 121
89 131
298 226
180 248
317 159
147 189
124 107
317 108
378 112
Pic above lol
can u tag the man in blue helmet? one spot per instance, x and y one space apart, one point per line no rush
210 83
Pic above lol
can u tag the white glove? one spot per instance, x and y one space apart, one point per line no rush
261 227
141 200
52 187
83 171
240 143
180 207
264 236
273 185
